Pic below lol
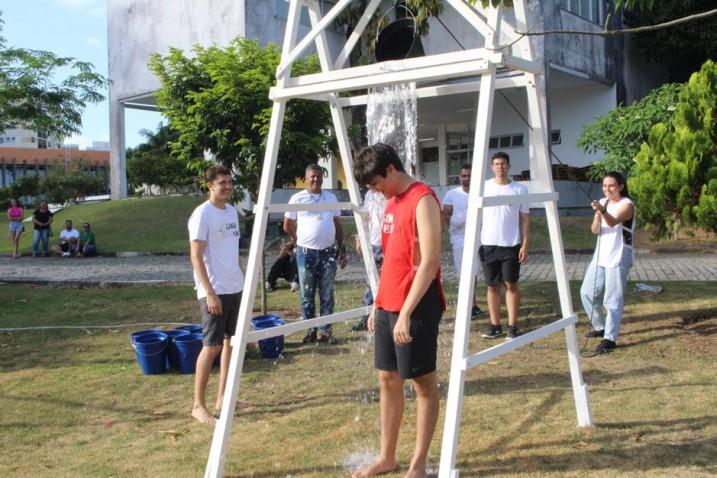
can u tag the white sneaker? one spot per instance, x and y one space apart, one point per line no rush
294 286
66 254
268 286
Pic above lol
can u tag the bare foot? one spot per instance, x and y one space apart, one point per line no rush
376 468
202 415
417 473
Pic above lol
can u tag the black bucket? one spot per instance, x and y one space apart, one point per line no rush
399 40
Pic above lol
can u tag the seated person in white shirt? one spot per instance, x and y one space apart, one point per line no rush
69 241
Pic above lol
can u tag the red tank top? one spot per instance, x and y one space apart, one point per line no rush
399 240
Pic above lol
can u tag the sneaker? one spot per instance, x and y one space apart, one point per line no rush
493 332
512 332
268 287
327 338
362 325
475 312
310 337
595 333
605 347
66 254
294 286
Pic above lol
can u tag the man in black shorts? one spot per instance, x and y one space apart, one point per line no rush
408 305
502 250
219 280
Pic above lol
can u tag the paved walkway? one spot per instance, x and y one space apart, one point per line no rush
177 269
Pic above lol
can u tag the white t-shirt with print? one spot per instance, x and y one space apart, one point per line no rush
219 229
457 198
501 224
314 229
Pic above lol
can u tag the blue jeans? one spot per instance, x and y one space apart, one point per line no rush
40 235
378 260
611 281
317 268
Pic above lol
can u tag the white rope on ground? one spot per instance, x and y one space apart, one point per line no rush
82 327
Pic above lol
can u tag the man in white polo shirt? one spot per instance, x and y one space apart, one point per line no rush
219 280
319 243
455 211
502 251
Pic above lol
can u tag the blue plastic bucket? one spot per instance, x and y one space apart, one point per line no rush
133 336
172 358
151 352
193 328
274 346
188 348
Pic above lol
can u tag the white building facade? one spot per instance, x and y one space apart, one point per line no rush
587 76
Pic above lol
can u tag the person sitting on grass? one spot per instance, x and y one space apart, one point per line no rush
284 267
87 247
69 241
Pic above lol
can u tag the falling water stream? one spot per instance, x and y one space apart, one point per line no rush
392 118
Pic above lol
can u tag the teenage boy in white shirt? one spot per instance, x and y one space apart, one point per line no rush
219 280
502 250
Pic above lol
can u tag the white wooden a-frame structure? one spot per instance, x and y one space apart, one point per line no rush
516 70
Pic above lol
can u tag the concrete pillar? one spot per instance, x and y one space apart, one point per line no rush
118 160
442 158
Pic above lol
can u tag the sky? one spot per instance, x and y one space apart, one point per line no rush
76 28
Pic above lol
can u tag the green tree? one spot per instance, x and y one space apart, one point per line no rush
675 176
31 98
217 100
621 131
681 48
152 162
63 186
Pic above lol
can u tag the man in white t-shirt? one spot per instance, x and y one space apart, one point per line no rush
502 250
374 205
455 210
219 281
319 243
69 241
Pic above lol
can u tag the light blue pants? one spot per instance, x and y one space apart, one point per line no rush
611 281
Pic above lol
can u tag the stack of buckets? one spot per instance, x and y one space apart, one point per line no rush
160 350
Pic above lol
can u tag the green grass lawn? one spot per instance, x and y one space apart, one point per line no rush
75 403
159 225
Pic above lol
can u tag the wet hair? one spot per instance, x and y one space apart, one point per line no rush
373 161
500 154
216 170
620 179
314 167
467 166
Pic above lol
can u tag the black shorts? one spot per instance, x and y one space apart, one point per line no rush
418 357
218 327
500 264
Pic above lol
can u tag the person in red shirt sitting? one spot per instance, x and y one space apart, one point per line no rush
408 306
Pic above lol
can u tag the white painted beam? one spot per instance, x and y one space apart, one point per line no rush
530 198
300 325
520 341
310 207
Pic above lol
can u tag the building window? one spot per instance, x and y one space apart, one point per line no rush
591 10
556 137
506 141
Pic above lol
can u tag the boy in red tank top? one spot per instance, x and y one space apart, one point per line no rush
408 306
